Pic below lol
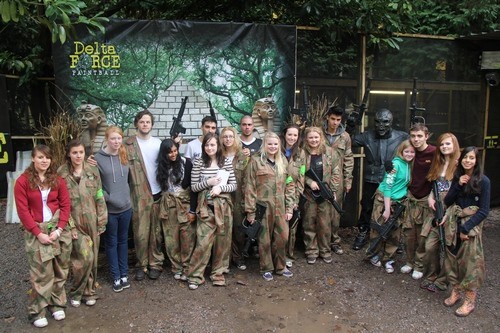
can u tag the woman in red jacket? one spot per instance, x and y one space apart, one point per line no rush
43 205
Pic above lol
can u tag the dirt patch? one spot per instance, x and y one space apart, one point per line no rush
348 295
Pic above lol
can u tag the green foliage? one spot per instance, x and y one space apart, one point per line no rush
59 16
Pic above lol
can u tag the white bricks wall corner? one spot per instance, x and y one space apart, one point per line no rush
166 107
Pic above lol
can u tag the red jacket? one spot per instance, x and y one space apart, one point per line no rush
30 208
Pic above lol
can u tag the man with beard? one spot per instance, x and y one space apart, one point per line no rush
142 151
379 144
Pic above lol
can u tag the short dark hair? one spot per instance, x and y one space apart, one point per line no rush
141 114
208 119
336 110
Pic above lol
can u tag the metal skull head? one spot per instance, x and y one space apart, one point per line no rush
383 122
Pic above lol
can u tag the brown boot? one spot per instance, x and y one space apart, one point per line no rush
469 304
454 297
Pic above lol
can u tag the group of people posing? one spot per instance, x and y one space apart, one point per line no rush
192 207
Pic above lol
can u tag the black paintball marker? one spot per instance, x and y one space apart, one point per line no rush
438 217
177 125
384 230
324 192
413 106
297 212
252 230
302 112
356 116
212 113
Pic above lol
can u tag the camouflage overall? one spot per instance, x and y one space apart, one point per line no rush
417 212
213 238
318 217
390 246
296 171
466 269
49 267
148 236
343 148
179 233
433 272
278 193
240 163
89 216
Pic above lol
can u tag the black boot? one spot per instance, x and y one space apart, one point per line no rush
361 240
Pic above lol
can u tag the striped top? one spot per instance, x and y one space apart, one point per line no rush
201 174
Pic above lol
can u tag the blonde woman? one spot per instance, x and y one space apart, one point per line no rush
268 183
232 151
318 212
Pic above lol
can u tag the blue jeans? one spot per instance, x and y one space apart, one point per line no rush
116 243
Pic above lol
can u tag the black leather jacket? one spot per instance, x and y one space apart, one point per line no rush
377 151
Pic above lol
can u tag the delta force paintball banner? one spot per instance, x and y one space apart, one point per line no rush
133 64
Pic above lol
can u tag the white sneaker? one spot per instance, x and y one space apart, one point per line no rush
417 275
289 263
388 266
40 322
406 269
90 302
375 261
75 303
59 315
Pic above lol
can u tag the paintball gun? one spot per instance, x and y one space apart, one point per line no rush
354 119
177 126
212 113
302 112
413 106
252 230
438 217
297 212
384 230
324 193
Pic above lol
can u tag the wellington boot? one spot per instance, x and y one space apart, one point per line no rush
468 305
454 297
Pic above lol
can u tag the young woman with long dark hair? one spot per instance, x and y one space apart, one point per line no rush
469 204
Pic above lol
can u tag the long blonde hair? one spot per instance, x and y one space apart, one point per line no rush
122 152
279 159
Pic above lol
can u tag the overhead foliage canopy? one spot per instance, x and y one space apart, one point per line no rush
28 27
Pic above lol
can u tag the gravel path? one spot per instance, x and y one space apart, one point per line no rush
348 295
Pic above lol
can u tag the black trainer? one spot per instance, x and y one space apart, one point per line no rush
117 286
140 274
154 273
361 240
125 283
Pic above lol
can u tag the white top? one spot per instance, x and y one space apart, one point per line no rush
149 150
193 150
47 213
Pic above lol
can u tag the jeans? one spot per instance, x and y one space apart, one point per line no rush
116 243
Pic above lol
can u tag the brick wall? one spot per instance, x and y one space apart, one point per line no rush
168 104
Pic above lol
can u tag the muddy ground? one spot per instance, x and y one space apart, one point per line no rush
348 295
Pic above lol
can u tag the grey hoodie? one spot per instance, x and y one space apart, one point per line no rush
114 177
